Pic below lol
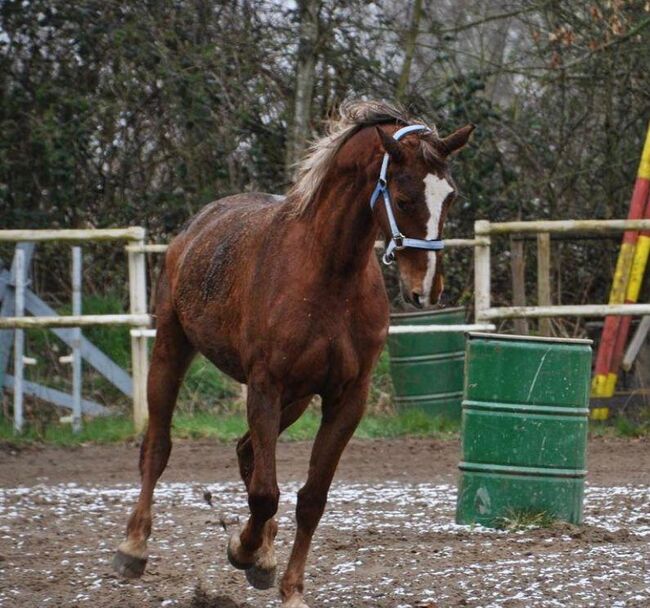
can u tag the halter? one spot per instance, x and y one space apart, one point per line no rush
398 241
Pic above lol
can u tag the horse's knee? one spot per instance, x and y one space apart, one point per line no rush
263 502
310 508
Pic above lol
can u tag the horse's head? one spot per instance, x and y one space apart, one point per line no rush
421 190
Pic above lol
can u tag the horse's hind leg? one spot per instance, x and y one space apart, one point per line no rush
253 547
264 577
341 417
172 354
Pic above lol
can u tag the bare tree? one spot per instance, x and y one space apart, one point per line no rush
309 15
409 50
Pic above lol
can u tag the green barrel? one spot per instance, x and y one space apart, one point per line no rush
427 368
524 429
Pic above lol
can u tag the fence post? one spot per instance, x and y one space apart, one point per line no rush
544 279
19 340
139 354
7 307
481 269
518 270
76 340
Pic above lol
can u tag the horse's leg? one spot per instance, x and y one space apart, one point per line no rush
171 356
248 549
341 417
265 578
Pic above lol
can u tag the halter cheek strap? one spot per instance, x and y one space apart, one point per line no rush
398 240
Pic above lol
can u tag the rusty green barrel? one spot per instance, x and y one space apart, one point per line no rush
524 429
427 368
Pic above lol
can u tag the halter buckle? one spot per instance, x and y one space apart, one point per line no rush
388 258
398 239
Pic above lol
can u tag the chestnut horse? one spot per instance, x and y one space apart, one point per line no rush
286 295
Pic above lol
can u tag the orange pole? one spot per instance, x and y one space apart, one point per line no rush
604 381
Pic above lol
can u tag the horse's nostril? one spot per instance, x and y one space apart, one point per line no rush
418 299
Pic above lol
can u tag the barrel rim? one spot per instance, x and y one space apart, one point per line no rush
426 313
482 468
518 338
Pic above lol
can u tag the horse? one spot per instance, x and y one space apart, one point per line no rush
286 295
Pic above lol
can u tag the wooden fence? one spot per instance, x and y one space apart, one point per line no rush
484 230
138 316
139 319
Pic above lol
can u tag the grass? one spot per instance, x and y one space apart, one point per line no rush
203 384
522 520
204 425
622 426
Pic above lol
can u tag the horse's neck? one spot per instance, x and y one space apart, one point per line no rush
342 228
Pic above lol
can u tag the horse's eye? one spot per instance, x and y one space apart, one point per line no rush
402 203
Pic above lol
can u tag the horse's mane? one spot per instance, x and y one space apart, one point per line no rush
353 116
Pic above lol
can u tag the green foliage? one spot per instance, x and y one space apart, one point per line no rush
524 520
106 429
625 427
227 427
206 388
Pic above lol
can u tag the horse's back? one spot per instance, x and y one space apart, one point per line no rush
219 227
209 266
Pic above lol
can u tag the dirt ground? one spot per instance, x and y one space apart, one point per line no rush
388 538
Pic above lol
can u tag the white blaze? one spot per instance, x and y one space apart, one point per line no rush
436 190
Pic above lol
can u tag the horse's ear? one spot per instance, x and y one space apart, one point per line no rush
454 142
390 145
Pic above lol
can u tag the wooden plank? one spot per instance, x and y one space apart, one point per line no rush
147 248
636 343
566 310
481 272
518 270
58 398
139 352
76 321
439 329
7 308
599 226
133 233
544 279
93 356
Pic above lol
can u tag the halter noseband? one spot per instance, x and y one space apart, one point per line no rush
398 240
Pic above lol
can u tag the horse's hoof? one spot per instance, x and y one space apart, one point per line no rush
128 566
295 601
234 562
261 579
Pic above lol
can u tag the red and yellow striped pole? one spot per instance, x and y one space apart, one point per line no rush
634 285
604 381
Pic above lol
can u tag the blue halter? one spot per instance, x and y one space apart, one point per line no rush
398 240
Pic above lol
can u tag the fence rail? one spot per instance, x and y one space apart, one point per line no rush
74 321
484 229
134 233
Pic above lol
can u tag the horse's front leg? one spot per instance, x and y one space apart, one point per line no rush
252 549
265 578
341 416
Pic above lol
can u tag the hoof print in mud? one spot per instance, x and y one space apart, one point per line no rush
261 579
128 566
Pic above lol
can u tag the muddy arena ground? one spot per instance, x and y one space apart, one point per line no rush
388 537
